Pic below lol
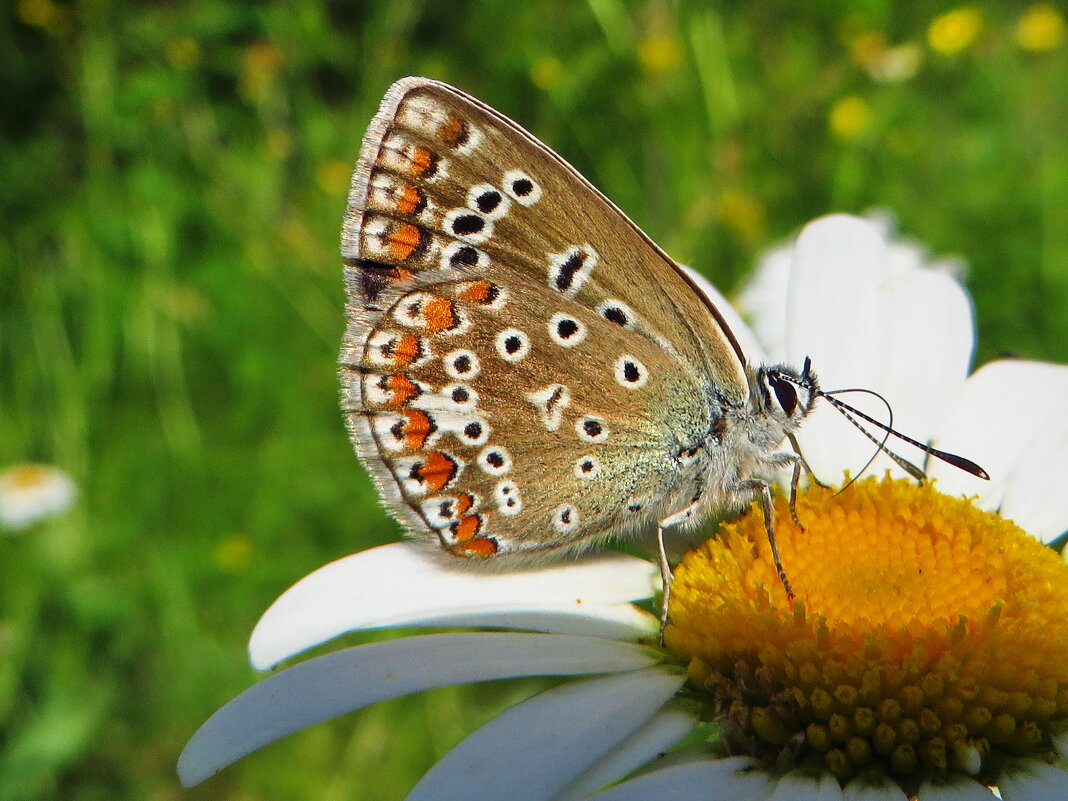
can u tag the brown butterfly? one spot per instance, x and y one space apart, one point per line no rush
524 370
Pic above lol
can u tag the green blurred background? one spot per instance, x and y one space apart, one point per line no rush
173 177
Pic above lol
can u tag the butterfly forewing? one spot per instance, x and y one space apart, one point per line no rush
514 342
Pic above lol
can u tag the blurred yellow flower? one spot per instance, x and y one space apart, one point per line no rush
955 30
849 117
546 72
32 492
1040 28
183 53
233 554
659 53
333 176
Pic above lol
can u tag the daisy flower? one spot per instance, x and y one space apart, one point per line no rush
32 492
924 656
880 315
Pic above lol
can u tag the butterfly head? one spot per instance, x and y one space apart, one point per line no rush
787 395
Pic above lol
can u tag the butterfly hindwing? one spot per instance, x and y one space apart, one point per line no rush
514 343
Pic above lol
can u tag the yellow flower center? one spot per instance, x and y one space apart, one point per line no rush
28 476
927 638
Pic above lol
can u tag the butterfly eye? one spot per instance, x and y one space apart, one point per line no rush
785 393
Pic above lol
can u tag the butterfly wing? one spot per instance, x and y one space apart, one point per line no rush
523 369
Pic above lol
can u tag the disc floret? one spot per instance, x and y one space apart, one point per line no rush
927 638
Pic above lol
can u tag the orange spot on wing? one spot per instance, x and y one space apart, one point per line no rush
477 292
439 314
478 547
454 131
467 528
464 502
410 201
422 161
437 470
417 427
404 241
403 389
407 348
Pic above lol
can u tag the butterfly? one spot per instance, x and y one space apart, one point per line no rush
523 370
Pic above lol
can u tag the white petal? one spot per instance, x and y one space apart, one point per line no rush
747 340
924 365
732 779
957 788
869 788
934 335
610 621
763 300
837 312
1034 496
534 749
329 685
1029 780
1009 415
406 584
801 786
839 315
655 737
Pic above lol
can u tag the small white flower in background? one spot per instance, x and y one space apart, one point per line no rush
32 492
897 64
925 656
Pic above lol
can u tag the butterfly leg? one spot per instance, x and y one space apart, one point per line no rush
799 465
757 486
665 567
666 578
795 478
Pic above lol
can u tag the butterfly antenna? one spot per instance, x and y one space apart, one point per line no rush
808 379
844 409
967 465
